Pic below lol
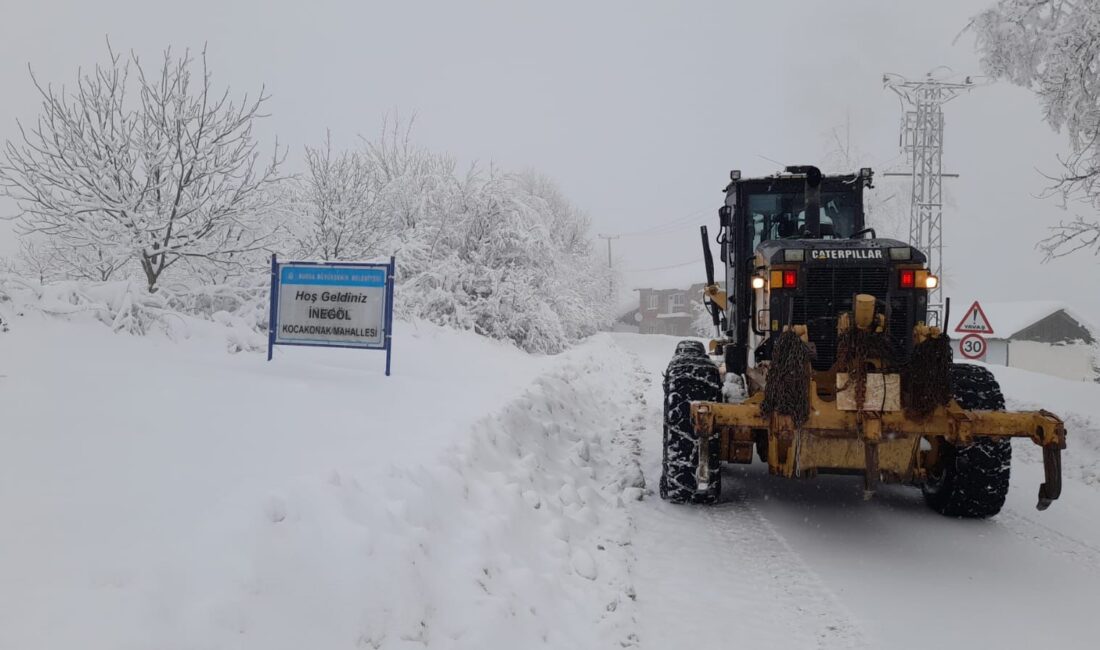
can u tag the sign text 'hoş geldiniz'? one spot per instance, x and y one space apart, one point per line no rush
331 304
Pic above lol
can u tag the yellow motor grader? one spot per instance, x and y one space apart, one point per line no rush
825 361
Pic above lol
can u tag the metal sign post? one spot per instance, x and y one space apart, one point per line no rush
389 314
332 304
274 299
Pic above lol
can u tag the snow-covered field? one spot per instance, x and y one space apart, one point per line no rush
161 494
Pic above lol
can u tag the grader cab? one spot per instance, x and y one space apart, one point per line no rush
825 361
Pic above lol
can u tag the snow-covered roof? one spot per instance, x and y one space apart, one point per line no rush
1009 318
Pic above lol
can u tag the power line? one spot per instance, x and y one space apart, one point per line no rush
660 229
667 226
664 230
662 268
772 160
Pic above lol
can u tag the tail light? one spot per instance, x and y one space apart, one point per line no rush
907 279
786 279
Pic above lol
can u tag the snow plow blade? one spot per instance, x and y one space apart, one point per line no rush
888 446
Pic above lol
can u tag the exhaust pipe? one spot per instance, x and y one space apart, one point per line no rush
708 260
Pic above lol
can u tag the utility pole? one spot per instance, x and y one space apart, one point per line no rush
922 140
610 277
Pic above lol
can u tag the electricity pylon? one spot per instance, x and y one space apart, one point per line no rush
922 140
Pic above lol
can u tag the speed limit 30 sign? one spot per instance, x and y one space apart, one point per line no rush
972 346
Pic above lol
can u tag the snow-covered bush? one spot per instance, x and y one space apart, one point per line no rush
513 267
122 305
240 310
505 255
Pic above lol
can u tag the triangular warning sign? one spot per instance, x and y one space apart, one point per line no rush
974 321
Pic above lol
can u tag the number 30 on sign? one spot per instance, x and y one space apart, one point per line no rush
972 346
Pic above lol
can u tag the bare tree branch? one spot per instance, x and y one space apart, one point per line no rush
1052 47
175 173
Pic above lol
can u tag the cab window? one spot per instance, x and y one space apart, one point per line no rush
781 215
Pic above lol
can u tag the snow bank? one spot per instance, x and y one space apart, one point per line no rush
1076 402
516 538
165 494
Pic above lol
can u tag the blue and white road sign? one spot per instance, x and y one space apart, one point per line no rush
331 304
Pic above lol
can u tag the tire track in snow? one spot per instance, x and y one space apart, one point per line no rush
708 575
1080 469
1051 541
818 609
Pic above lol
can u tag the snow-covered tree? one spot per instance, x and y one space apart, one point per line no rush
702 323
1052 47
887 205
342 216
147 163
34 261
503 254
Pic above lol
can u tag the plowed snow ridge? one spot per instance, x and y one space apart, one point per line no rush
518 537
310 503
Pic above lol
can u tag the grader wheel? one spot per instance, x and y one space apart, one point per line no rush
689 378
971 481
690 348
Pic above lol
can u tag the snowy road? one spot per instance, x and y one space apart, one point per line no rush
811 564
166 494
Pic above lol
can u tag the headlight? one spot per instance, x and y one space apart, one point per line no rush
757 282
794 255
931 282
900 253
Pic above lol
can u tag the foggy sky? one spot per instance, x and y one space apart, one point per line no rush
638 109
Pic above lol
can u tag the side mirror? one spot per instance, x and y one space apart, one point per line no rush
724 214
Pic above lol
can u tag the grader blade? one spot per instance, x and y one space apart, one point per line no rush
881 445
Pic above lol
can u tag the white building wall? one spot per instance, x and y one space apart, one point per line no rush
1070 361
996 352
